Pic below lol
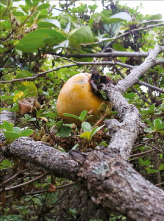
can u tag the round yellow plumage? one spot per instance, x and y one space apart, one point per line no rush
76 96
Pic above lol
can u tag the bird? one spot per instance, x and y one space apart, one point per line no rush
80 93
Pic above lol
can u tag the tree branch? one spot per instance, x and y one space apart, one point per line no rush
132 78
38 75
106 54
131 32
76 63
151 86
108 178
105 173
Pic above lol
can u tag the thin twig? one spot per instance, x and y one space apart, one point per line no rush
4 39
106 54
10 179
151 86
23 184
152 21
39 74
159 184
141 154
131 32
97 62
68 66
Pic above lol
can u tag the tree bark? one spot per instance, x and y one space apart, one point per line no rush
105 173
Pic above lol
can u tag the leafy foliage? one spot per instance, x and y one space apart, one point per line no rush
34 39
11 133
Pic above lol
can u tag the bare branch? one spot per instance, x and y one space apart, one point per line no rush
22 184
132 78
39 74
152 21
151 86
76 63
131 32
98 62
158 62
133 89
106 54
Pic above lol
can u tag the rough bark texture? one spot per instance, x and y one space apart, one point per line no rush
132 78
115 184
110 180
105 173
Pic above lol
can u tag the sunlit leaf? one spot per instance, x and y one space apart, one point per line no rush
23 74
86 126
38 39
83 115
80 36
86 135
33 91
71 115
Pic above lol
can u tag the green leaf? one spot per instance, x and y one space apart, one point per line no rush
121 16
93 7
36 2
161 167
3 97
144 163
5 25
155 17
75 147
46 24
150 171
130 95
10 136
86 135
23 74
81 35
83 115
158 124
71 115
5 164
43 6
26 133
86 126
4 2
28 3
95 130
16 130
32 89
16 133
18 13
65 131
38 39
7 126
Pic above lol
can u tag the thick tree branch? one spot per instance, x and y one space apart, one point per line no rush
105 173
109 179
126 132
45 156
132 78
133 89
